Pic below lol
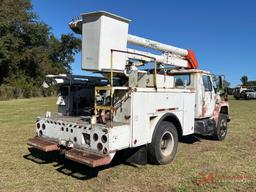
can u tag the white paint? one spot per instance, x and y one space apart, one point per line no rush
119 137
101 33
146 102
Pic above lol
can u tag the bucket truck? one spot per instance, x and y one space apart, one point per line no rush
144 102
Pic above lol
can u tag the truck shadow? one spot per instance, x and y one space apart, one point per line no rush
41 157
83 172
71 168
190 139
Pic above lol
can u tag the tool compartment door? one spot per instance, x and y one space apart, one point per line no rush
147 105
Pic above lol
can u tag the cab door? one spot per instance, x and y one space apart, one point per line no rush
208 96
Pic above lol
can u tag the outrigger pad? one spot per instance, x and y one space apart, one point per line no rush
92 160
43 144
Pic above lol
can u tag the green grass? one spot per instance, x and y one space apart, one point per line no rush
226 161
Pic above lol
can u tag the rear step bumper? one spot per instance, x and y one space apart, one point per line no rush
85 158
43 144
80 156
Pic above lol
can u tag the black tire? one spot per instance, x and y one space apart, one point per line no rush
236 97
222 128
242 95
163 148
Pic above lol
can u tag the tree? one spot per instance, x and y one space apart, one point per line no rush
28 49
244 80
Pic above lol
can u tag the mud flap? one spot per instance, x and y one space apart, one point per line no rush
137 155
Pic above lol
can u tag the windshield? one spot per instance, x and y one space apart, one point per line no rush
247 91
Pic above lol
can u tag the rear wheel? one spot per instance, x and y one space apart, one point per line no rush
222 128
163 147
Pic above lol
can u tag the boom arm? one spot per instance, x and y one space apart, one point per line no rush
109 34
172 52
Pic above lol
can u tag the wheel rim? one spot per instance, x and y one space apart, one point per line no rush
167 143
223 128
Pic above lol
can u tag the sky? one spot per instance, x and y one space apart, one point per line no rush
222 33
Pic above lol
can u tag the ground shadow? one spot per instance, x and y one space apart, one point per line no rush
71 168
41 157
83 172
206 137
190 139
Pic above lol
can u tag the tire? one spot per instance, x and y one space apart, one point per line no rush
163 148
242 95
222 128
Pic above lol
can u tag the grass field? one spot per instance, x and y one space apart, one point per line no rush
200 164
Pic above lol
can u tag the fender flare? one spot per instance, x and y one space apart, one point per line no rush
171 118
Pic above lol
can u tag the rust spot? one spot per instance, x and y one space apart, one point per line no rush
83 157
192 89
217 109
204 109
43 144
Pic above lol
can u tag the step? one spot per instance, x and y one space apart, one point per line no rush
86 158
43 144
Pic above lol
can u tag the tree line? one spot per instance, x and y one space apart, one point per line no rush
29 50
245 81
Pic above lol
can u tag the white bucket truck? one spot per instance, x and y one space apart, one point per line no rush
131 106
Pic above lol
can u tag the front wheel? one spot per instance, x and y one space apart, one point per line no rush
163 147
222 128
237 98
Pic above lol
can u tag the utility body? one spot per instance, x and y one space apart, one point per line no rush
131 107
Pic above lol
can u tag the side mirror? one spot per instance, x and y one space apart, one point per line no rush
221 82
215 89
223 86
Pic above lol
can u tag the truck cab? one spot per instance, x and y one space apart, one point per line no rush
208 103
